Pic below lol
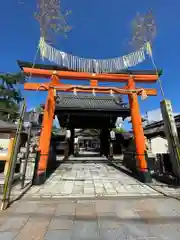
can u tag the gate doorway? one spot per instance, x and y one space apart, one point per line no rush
89 119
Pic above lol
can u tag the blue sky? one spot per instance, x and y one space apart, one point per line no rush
101 29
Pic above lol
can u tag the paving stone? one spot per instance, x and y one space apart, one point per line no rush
68 187
105 207
85 230
167 231
13 223
34 229
36 196
61 224
65 209
88 186
45 211
115 234
173 209
58 235
111 192
8 235
29 207
88 180
33 189
46 196
142 218
149 214
126 214
100 185
99 191
89 190
138 231
109 223
85 211
56 196
121 189
77 190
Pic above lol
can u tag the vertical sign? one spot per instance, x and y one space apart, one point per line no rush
172 136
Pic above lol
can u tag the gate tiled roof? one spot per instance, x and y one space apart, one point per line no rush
89 102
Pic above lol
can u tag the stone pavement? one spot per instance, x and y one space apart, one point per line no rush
93 180
130 219
160 187
168 190
90 180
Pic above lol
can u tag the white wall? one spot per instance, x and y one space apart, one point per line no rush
4 144
158 145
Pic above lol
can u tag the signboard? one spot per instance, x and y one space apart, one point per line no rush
4 144
172 136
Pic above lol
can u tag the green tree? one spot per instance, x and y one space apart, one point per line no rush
119 130
39 109
10 96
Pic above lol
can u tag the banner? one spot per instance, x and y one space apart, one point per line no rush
93 65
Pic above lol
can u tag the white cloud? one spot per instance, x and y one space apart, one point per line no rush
128 119
30 109
155 115
152 116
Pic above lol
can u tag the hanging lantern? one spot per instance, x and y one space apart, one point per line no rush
68 134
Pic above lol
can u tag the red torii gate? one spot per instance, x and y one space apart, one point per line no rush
131 78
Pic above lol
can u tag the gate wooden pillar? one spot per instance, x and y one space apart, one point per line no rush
45 137
141 162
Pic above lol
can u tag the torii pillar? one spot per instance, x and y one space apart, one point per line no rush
45 136
141 163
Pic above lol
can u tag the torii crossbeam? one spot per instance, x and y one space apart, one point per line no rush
55 74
